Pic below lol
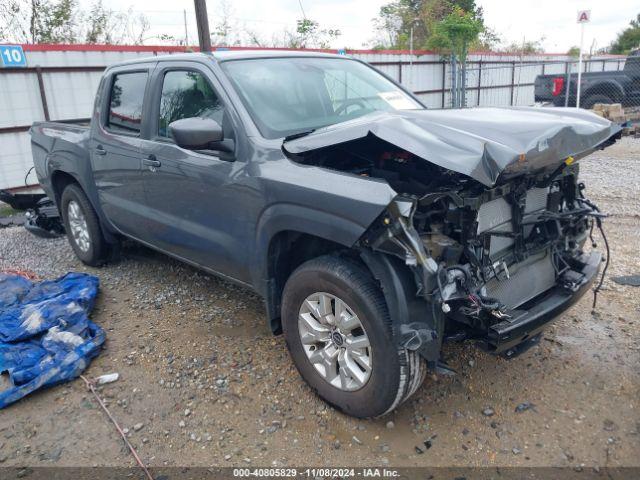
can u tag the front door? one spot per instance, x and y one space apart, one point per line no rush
190 195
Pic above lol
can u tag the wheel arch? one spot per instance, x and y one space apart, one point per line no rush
61 179
609 89
289 234
287 250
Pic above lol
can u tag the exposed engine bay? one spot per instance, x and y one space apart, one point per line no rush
482 255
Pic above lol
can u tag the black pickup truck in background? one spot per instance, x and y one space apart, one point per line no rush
622 86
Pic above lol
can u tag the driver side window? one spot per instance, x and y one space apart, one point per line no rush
185 94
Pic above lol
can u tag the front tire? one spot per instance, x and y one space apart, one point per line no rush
83 227
337 328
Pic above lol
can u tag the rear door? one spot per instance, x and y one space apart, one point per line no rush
193 200
115 143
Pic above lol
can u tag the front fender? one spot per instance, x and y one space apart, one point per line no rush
325 203
303 219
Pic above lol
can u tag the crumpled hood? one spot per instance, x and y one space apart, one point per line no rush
482 143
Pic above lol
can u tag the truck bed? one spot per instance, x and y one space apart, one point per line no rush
75 124
544 84
59 143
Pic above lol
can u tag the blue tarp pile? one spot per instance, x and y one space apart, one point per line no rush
46 336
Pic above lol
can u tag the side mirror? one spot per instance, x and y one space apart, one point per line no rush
195 133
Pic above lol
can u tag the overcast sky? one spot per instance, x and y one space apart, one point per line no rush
513 20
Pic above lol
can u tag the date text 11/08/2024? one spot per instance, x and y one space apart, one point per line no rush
315 472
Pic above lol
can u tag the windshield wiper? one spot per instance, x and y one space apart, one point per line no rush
293 136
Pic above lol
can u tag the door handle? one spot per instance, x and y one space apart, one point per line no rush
151 161
100 150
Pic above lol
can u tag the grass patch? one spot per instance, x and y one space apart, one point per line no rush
7 211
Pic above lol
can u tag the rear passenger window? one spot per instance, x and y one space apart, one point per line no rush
125 102
187 94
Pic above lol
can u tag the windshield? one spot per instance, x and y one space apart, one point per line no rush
286 96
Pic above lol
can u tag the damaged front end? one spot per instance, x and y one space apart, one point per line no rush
495 264
485 239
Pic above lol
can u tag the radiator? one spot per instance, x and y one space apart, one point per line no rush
527 280
496 216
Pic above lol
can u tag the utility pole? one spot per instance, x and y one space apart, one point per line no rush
204 37
186 34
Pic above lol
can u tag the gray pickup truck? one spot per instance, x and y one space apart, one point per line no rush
374 229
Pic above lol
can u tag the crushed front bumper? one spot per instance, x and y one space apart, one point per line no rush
532 317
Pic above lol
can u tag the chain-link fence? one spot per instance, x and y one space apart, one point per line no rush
495 82
511 83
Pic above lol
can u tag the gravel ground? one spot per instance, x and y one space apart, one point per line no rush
203 382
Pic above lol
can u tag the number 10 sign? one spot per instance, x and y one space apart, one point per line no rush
12 56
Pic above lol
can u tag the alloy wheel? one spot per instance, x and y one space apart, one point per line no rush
335 341
78 226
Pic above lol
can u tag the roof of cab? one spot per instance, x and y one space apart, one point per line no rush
247 54
224 55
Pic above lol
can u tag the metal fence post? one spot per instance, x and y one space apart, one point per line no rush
479 83
43 94
513 79
444 82
463 85
454 82
568 83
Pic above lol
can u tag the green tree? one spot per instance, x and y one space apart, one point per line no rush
222 30
63 21
97 21
455 33
33 21
628 39
524 47
309 35
395 21
574 52
398 18
488 40
56 22
11 22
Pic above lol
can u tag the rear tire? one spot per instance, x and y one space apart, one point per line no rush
395 373
83 227
591 100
